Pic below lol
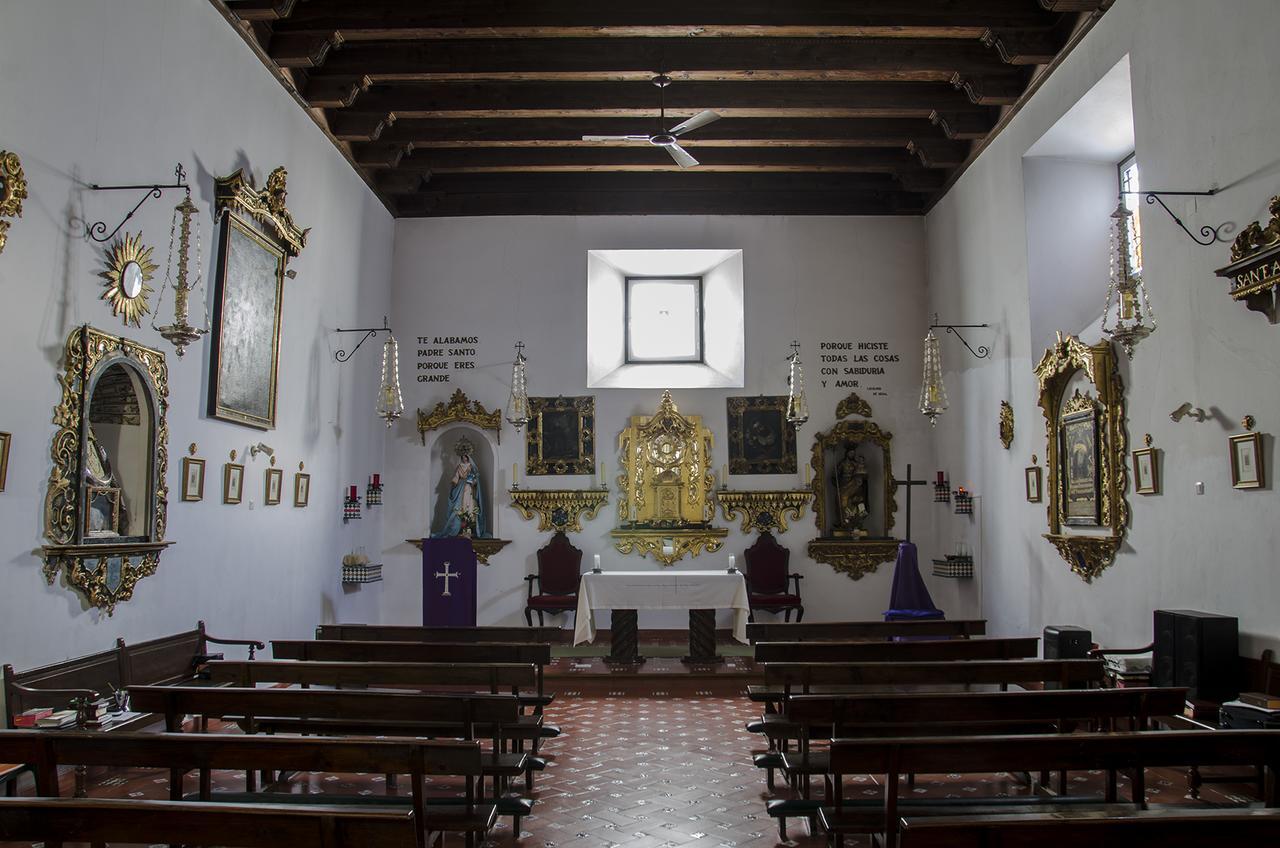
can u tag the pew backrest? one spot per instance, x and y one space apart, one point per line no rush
800 676
988 648
414 633
494 676
418 652
55 685
853 631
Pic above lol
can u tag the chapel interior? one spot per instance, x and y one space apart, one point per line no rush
567 423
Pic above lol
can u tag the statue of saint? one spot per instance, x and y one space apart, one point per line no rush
98 472
851 491
466 512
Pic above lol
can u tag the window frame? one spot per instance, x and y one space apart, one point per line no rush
700 324
1125 189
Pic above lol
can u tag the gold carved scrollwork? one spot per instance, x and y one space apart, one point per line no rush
1006 424
765 511
559 509
853 405
1087 554
853 558
238 194
13 190
459 408
668 546
484 548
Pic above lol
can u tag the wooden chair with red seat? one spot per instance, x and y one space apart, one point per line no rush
767 579
559 571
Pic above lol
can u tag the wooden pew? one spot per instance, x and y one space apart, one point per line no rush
872 631
173 659
1109 752
416 633
1165 828
462 811
51 820
990 648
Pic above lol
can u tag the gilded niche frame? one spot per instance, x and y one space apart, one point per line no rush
561 436
761 440
104 568
1088 554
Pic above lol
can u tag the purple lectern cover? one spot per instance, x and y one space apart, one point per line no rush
448 582
910 597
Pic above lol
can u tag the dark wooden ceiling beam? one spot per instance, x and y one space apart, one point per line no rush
661 182
302 50
359 126
1022 47
938 153
261 10
990 90
965 126
335 92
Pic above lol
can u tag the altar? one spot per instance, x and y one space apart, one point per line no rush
625 592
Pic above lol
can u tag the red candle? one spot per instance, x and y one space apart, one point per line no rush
352 496
941 479
375 480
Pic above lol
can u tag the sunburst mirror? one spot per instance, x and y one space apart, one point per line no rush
129 269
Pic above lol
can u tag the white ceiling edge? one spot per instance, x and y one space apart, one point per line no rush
1099 127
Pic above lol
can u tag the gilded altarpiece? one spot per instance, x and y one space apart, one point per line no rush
666 482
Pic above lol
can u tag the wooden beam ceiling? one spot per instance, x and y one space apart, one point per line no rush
461 107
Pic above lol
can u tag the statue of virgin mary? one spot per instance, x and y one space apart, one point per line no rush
466 510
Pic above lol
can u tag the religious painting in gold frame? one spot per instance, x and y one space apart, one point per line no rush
1078 460
561 437
761 440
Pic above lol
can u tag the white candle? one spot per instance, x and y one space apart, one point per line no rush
597 561
732 562
602 475
515 467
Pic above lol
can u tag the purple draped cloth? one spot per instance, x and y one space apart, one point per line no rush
448 582
910 597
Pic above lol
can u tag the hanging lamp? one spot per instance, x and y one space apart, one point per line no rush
933 394
797 404
1124 322
390 401
518 403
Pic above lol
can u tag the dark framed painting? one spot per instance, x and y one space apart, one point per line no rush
761 440
561 437
246 324
1078 466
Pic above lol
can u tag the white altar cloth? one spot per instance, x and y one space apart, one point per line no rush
660 590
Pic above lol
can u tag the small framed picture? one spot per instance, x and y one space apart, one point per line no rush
232 483
192 479
5 439
1246 461
275 479
1033 483
301 489
1146 472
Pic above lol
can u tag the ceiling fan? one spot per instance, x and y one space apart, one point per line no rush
666 138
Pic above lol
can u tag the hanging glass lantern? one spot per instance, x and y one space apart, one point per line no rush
1126 288
180 333
797 404
390 401
518 403
933 394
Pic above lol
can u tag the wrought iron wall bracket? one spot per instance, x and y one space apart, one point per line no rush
1211 233
369 332
95 230
981 353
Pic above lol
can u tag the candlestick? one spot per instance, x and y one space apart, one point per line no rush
353 493
376 479
602 475
597 561
515 468
806 474
941 478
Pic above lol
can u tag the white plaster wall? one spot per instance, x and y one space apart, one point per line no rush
1191 62
504 279
117 93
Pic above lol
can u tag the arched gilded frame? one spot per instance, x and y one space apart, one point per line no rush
1088 553
852 556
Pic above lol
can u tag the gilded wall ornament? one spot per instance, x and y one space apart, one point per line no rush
484 548
559 509
765 511
1006 424
1254 270
854 559
853 405
13 190
267 206
668 546
845 433
561 438
459 408
129 269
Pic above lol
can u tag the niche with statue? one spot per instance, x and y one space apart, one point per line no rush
854 500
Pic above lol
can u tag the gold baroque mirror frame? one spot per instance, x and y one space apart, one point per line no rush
107 502
1099 415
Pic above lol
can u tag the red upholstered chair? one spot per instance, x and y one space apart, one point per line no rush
767 578
559 570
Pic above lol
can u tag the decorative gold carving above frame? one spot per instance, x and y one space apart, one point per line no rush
1254 271
104 566
1006 424
559 509
1088 555
459 408
238 194
853 558
668 546
13 190
765 511
853 405
129 269
484 548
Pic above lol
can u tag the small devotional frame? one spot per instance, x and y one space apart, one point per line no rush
561 438
1247 471
1034 483
301 489
192 479
232 483
1146 472
274 482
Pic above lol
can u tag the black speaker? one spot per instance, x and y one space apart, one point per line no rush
1066 642
1198 650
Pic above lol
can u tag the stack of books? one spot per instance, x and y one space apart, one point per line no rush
1128 670
57 718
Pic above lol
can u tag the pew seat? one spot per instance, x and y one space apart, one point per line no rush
1160 828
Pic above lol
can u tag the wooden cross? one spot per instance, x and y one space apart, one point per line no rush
446 573
909 483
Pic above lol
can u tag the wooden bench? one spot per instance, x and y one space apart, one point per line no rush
1165 828
181 754
855 631
415 633
1109 752
98 821
989 648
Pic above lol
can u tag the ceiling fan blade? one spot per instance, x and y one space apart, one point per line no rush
615 138
682 157
699 120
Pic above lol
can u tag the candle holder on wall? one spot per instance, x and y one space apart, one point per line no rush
964 502
351 506
942 489
373 494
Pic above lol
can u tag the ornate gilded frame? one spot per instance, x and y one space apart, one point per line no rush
776 405
853 557
1254 270
1087 554
853 405
13 190
105 573
237 193
543 410
459 408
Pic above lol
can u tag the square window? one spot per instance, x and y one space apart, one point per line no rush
664 319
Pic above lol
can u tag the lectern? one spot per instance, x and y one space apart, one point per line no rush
448 582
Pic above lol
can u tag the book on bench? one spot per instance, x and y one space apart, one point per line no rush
1261 700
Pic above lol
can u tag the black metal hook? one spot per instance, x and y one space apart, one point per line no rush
343 356
981 353
1211 233
95 230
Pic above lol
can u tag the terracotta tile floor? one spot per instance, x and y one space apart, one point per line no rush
662 762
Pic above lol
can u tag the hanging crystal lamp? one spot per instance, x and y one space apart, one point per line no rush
797 404
1126 288
180 333
933 394
518 403
390 401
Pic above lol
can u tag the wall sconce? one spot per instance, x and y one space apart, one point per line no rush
933 393
1125 288
1187 410
180 333
261 447
518 402
390 403
797 403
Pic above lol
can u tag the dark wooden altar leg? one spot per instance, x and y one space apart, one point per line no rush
702 637
624 638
